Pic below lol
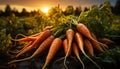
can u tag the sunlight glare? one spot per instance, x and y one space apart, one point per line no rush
45 10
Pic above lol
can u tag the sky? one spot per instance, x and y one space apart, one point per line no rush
38 4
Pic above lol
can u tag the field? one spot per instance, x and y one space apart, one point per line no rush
99 20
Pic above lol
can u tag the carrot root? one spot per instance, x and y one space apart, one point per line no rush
79 41
14 61
76 52
59 59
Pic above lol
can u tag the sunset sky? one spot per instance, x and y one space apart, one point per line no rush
39 4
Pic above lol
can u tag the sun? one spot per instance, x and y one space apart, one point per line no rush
45 10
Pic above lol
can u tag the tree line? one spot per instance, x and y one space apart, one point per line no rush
68 11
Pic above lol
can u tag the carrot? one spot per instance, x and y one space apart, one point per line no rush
105 40
79 41
55 46
88 47
26 39
65 47
99 43
97 46
43 46
69 36
35 35
41 37
81 28
47 28
76 52
26 45
85 31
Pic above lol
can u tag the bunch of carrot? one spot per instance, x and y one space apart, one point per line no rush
77 40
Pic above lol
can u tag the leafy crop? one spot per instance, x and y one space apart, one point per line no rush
101 20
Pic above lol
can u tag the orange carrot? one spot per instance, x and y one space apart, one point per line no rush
65 47
43 46
41 37
47 28
55 46
26 39
85 31
69 36
98 43
88 47
35 35
97 46
26 45
79 41
105 40
76 52
81 28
